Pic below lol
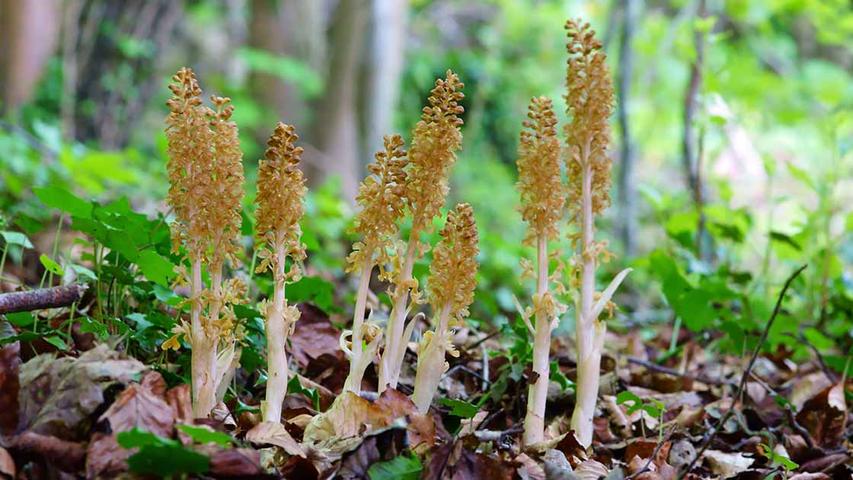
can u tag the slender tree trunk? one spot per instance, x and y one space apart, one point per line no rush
383 71
293 28
627 192
336 131
691 141
28 35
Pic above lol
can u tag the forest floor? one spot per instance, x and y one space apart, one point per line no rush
95 412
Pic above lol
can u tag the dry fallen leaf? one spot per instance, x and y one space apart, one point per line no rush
274 433
825 415
59 395
726 464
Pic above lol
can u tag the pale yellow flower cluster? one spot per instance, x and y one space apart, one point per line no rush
281 188
542 192
590 103
453 271
382 206
435 140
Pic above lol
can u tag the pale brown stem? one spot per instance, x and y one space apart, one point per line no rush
587 328
276 331
353 382
203 350
395 345
431 363
537 392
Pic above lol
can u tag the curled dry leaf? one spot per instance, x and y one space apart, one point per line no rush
351 416
825 416
274 433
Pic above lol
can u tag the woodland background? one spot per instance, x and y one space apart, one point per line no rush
733 152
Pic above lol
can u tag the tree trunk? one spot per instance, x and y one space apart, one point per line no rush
627 190
115 71
692 140
336 127
295 29
28 35
383 71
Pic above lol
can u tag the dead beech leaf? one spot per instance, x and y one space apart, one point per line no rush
453 461
59 395
180 400
528 469
421 433
235 463
351 416
7 464
314 336
726 464
274 433
807 387
104 456
591 470
825 415
138 407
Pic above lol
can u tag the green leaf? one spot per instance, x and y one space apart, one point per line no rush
403 467
801 175
57 342
62 199
140 438
156 268
558 376
20 319
629 396
51 266
167 461
295 386
203 435
315 290
460 408
161 456
16 238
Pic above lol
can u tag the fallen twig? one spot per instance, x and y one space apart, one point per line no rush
670 371
746 373
41 298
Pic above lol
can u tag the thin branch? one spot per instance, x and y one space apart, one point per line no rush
41 298
670 371
746 374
